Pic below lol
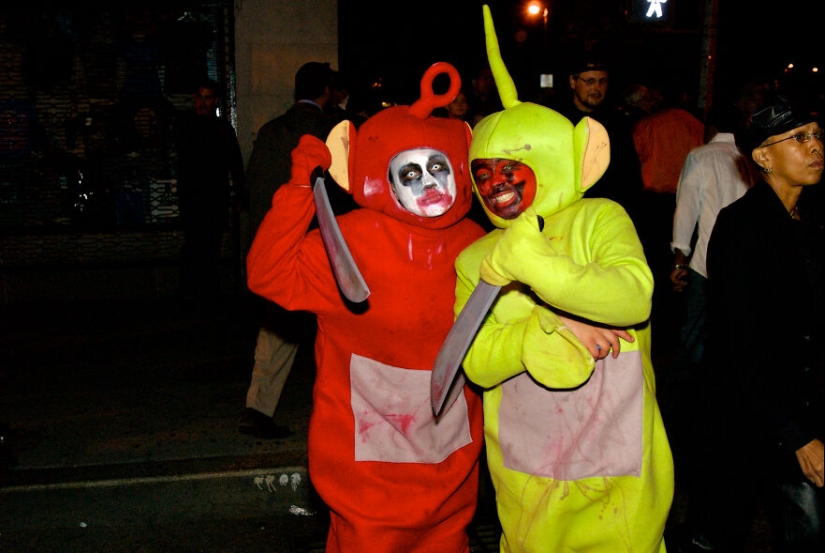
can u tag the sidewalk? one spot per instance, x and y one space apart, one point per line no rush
123 424
119 413
104 383
122 420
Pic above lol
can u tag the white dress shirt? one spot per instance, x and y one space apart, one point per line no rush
713 176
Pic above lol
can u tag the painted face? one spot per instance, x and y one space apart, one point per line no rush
423 181
507 187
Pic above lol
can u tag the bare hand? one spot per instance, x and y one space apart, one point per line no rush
678 277
810 457
598 340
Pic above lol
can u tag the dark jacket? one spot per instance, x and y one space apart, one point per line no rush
208 153
271 158
765 342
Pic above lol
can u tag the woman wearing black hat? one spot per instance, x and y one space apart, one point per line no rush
765 363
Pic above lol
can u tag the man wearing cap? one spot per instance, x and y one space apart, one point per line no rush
589 81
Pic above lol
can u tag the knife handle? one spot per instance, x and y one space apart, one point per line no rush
317 173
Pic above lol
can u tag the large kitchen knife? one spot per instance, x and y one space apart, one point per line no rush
444 386
347 274
448 361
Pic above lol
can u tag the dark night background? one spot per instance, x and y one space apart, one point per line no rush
754 42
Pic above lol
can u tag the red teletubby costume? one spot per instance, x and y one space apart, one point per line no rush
395 479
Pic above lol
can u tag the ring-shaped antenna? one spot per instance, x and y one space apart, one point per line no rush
429 100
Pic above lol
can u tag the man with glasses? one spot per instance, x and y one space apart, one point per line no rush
589 81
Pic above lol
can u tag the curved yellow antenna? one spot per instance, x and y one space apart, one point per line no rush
504 82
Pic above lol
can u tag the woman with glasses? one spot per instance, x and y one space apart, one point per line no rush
765 362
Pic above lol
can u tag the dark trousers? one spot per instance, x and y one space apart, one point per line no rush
694 331
203 223
729 485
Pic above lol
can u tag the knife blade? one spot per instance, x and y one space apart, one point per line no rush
347 274
448 361
443 379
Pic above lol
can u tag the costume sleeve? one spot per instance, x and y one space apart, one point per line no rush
287 265
608 281
689 194
519 335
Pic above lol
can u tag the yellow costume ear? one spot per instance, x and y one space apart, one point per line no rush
592 147
340 141
504 82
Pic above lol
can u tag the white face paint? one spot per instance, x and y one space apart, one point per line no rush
423 181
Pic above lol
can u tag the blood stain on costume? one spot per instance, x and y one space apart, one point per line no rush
403 422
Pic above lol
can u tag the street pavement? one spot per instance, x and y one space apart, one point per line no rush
120 433
119 425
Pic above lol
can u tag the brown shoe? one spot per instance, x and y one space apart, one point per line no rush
255 423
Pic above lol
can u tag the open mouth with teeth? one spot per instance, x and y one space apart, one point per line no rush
503 198
508 198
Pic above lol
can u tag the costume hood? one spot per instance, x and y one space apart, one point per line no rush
361 158
566 159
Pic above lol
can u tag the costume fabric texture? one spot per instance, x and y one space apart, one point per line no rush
577 449
394 478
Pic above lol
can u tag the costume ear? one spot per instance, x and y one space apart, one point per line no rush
340 141
592 147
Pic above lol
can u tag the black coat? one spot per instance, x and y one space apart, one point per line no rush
271 160
765 342
208 154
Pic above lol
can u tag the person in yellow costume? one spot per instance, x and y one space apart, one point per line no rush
575 442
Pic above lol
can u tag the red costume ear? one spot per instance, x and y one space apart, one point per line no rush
429 100
341 144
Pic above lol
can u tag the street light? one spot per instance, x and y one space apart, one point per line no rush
535 8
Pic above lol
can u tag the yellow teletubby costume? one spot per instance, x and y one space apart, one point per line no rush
576 448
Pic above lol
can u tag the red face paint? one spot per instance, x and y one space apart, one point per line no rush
507 187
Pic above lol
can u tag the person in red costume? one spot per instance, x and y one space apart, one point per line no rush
394 477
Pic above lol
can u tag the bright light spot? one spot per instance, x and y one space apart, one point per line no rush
790 66
533 8
655 9
814 69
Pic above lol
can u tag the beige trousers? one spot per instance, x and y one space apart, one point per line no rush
274 356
